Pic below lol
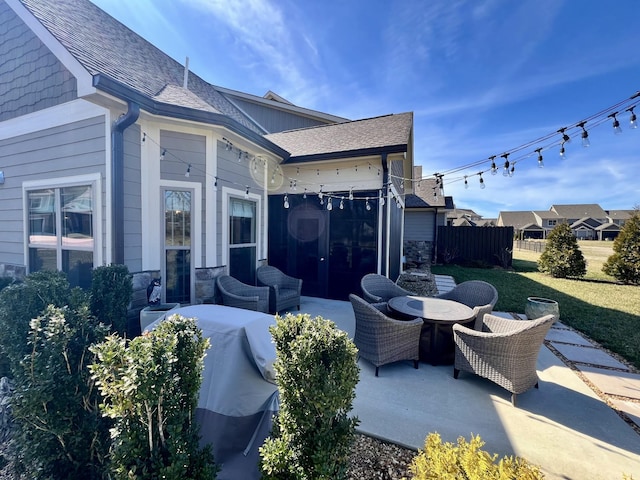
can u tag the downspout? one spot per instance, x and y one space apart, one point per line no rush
434 248
387 216
117 180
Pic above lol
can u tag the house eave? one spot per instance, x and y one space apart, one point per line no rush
108 85
362 152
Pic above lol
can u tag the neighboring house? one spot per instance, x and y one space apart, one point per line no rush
588 221
112 152
426 210
462 217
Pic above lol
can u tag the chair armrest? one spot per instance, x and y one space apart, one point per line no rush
371 298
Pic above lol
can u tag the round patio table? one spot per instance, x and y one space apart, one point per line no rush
439 316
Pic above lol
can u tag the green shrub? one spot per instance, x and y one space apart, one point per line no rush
21 302
111 291
562 257
465 461
624 264
59 430
316 373
150 386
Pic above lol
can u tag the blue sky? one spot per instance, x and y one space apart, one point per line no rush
482 78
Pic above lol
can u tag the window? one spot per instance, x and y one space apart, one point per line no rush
177 245
61 231
552 223
242 239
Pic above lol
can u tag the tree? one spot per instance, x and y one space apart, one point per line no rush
562 257
624 263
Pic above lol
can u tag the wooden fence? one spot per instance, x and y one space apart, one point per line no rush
475 245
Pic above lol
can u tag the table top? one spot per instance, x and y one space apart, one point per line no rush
431 309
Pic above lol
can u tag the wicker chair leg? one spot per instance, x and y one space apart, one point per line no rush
376 371
415 364
456 372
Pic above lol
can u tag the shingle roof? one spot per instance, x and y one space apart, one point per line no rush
424 195
105 46
342 138
579 211
517 219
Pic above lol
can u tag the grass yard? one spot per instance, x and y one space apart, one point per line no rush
606 312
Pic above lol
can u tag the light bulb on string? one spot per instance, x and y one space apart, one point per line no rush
540 159
329 204
505 171
304 195
482 185
351 193
295 184
215 184
239 156
616 123
565 138
188 172
381 198
585 135
286 201
320 195
367 205
513 169
494 168
144 137
164 152
466 184
341 203
246 192
398 204
563 152
633 120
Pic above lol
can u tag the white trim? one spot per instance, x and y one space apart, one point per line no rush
228 193
95 181
211 200
83 77
63 114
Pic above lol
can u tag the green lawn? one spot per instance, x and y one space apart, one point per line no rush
607 312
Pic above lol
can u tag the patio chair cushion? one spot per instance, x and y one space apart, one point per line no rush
285 290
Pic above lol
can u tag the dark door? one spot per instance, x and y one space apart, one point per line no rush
308 247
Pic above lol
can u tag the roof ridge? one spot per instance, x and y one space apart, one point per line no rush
350 122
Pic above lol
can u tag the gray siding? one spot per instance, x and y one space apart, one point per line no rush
275 120
31 77
73 149
419 226
236 175
132 200
184 149
396 169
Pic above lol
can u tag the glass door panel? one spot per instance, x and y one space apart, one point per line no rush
177 246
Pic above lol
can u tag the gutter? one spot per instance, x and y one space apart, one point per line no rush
113 87
117 180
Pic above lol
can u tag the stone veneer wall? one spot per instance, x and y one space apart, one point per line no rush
15 272
420 251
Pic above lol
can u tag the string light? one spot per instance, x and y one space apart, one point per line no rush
330 204
513 169
494 168
367 205
381 199
565 138
616 124
350 193
215 184
633 121
286 201
563 152
246 192
585 135
482 185
304 195
164 152
341 203
505 171
540 159
188 172
144 137
466 184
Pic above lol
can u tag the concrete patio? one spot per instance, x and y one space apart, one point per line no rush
573 426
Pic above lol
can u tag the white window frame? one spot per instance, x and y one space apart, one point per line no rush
95 181
227 194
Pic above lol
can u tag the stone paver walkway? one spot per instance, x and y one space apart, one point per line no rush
609 378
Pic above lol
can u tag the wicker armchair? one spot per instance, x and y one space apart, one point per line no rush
284 291
476 294
378 288
505 351
382 340
234 293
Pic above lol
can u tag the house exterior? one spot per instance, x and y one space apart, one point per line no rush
426 210
112 152
588 221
